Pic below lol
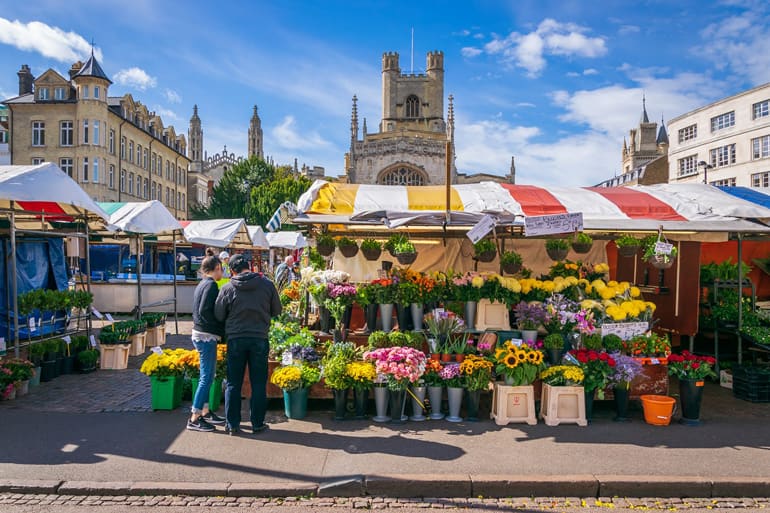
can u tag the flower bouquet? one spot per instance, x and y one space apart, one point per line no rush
518 365
563 375
441 326
400 366
361 374
597 368
467 287
626 369
295 376
339 297
688 366
477 371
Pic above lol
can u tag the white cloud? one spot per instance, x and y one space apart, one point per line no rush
172 96
51 42
462 33
166 114
136 78
288 136
740 43
626 30
590 71
470 51
526 104
551 38
573 74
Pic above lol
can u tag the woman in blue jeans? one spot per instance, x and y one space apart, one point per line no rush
207 332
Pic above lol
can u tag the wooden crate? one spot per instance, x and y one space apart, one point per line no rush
513 404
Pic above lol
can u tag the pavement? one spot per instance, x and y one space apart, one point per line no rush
95 436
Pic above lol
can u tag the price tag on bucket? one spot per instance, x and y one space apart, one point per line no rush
157 350
32 324
109 317
663 248
93 341
67 340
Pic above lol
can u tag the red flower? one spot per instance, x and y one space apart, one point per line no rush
710 360
695 365
582 358
593 355
603 357
611 362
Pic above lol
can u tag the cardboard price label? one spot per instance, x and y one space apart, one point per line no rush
663 248
93 341
67 340
287 359
109 317
481 229
157 350
97 313
553 224
32 324
625 330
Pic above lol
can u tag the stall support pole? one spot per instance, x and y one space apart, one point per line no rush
88 275
740 298
176 317
14 288
139 252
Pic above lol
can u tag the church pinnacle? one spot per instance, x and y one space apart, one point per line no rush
645 117
255 135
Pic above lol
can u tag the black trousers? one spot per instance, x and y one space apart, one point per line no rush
242 351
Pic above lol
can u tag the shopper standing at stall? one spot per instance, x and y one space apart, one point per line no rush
246 305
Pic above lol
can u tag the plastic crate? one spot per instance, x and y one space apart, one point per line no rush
752 384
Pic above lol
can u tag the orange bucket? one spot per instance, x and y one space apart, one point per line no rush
658 409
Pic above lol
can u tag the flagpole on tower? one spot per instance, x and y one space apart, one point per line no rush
412 72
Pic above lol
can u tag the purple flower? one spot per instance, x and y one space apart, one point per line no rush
450 371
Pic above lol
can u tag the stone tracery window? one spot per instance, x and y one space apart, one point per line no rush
412 107
402 176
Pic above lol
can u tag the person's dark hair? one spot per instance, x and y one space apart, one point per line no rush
238 263
210 263
210 252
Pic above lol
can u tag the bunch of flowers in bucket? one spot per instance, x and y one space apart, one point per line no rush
166 364
451 376
689 366
361 374
560 314
294 377
518 365
597 368
563 375
7 383
339 296
467 287
432 376
400 366
477 371
529 316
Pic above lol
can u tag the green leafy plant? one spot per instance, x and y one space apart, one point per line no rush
370 245
553 341
612 343
511 258
393 240
378 340
584 238
335 362
114 334
649 249
723 271
593 341
346 242
484 246
404 246
37 352
416 339
398 339
557 244
627 240
88 358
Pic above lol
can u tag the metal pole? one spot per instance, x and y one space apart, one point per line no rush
740 297
88 276
448 179
176 317
14 287
139 251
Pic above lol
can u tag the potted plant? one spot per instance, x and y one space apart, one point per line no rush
7 384
529 317
49 368
626 369
405 252
166 378
597 368
593 342
613 343
36 355
339 299
562 396
477 372
628 246
401 367
325 244
691 370
485 250
393 241
367 300
115 345
518 365
441 326
21 373
510 262
435 384
455 383
371 249
87 359
348 247
656 256
361 376
295 381
557 249
582 243
407 294
335 373
378 340
554 346
384 291
467 288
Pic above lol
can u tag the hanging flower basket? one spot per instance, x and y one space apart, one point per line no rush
372 254
511 268
406 258
581 247
486 256
325 249
557 255
349 251
628 251
658 252
661 261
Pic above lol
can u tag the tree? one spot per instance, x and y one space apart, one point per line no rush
253 190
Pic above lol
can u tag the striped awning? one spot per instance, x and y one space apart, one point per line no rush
686 207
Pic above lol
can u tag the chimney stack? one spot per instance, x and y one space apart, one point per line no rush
25 80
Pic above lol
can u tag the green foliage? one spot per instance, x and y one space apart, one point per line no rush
370 244
556 244
253 190
317 261
612 343
727 270
510 257
378 339
394 240
365 295
484 246
593 341
335 362
553 341
345 242
649 248
627 240
584 238
416 339
404 246
324 239
88 358
398 339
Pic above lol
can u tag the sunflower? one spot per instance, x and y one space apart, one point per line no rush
532 357
521 356
511 361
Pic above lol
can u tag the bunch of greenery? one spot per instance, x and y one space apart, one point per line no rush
484 246
627 240
510 258
557 244
378 340
335 363
612 343
370 245
553 341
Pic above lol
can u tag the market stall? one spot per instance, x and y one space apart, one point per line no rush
43 206
218 233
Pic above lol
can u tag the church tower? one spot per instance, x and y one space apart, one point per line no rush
195 135
255 135
644 143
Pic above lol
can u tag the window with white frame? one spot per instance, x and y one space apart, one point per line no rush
168 170
66 133
96 91
85 131
111 177
688 166
84 91
178 200
688 133
96 170
123 148
723 156
58 93
131 183
42 93
96 138
145 188
760 147
160 165
153 190
84 174
144 159
37 161
139 155
131 151
112 142
154 163
760 109
65 164
122 180
725 182
722 121
183 202
760 179
38 133
138 186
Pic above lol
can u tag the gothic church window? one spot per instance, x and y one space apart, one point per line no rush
412 107
402 176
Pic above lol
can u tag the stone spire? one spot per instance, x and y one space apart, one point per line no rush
662 133
512 174
255 135
363 132
354 120
451 119
645 117
195 135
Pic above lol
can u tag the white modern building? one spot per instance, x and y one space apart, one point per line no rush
724 143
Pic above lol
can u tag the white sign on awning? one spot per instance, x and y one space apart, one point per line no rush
553 224
481 229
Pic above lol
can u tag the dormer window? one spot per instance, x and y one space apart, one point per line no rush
58 93
412 106
42 93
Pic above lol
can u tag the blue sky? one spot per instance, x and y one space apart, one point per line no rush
555 83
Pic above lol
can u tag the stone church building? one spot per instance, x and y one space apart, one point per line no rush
411 141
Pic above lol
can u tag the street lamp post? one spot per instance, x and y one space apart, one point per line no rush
706 167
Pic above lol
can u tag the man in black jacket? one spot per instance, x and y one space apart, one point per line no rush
246 305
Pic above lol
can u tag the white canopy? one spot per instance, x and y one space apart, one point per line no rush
287 240
149 217
220 233
258 239
45 188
